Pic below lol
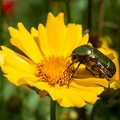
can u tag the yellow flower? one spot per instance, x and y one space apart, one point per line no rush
47 52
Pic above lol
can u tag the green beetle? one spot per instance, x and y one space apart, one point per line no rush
94 60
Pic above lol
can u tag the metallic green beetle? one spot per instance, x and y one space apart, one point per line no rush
94 60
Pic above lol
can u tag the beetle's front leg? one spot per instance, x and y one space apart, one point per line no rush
66 70
74 71
68 67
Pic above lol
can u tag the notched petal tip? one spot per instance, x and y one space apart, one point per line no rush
11 28
59 17
50 16
20 24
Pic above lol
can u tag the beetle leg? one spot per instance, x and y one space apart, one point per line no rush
68 67
73 73
76 69
102 73
90 71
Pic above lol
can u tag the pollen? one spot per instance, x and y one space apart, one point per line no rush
53 70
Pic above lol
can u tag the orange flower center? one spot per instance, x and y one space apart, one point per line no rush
54 70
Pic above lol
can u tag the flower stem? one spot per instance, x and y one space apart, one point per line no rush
67 3
52 110
90 15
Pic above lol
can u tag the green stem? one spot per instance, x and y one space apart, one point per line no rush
90 15
67 3
52 110
101 17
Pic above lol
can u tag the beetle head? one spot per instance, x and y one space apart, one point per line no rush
75 57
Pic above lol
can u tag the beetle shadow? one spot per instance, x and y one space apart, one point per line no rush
84 73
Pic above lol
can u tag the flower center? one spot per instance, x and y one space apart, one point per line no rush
53 70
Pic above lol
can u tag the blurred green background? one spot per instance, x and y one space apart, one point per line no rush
101 17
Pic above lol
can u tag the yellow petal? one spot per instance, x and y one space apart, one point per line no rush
84 39
13 79
92 85
28 80
73 37
27 42
68 100
80 97
85 78
55 92
71 99
34 32
117 74
55 33
7 51
19 64
18 77
111 56
65 95
1 58
16 42
14 75
115 54
43 42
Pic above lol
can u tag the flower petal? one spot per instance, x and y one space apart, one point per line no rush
81 97
55 33
89 85
55 92
1 58
43 42
6 51
18 64
64 96
70 101
85 78
34 33
14 75
84 39
72 38
109 51
26 43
